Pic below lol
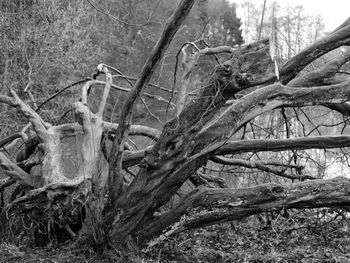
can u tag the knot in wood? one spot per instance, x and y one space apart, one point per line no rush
224 70
278 189
243 79
151 160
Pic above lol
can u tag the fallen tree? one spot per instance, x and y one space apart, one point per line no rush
118 210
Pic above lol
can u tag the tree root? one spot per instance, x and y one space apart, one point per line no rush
51 215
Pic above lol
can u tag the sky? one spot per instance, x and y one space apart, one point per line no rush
334 12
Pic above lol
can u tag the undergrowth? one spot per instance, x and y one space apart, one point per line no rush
305 237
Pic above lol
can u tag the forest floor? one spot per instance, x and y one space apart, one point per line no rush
294 239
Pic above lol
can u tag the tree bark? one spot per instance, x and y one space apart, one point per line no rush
207 206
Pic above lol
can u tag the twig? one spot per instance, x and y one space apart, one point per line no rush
150 112
61 91
113 17
149 84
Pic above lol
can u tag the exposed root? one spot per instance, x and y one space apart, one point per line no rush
49 215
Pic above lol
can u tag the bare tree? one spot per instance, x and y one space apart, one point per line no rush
129 210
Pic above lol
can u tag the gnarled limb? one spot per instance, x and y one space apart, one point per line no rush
317 142
207 206
92 125
48 137
38 124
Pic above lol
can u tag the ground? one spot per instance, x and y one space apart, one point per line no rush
294 239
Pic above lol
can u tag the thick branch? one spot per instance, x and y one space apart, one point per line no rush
92 126
92 134
38 124
266 99
242 146
216 50
338 38
322 76
220 205
317 142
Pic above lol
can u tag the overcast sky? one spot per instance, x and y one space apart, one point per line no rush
334 12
